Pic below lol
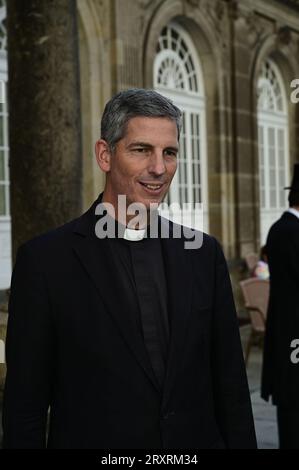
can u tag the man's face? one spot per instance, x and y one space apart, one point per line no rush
144 161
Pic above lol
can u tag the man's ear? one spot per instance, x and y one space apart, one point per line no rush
103 155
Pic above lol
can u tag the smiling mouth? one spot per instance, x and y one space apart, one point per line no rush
152 187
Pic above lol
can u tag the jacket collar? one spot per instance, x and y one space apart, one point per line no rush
293 211
290 216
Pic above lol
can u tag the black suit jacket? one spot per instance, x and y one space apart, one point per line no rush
280 378
73 347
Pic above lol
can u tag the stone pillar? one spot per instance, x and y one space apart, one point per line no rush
246 166
44 116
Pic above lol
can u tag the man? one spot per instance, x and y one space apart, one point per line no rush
130 341
280 378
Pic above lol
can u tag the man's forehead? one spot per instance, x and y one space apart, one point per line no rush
154 126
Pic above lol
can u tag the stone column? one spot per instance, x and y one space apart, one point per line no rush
246 167
44 116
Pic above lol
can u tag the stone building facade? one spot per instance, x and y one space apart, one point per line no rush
229 64
248 55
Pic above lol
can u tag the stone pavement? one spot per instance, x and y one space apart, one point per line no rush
265 422
264 413
3 322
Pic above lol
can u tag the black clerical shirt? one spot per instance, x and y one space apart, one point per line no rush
142 266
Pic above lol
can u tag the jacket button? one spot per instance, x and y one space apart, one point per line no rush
170 413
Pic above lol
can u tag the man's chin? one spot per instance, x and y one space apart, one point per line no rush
150 202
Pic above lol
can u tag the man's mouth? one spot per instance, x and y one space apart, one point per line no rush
152 186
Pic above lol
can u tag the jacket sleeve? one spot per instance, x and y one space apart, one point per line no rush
29 356
231 394
294 255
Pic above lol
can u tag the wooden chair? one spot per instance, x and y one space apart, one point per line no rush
256 297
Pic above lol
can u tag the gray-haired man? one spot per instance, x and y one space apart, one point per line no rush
132 341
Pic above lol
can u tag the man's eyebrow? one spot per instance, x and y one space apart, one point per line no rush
140 144
147 145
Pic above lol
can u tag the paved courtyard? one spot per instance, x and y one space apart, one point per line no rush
263 412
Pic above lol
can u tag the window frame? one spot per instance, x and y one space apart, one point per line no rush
275 120
190 102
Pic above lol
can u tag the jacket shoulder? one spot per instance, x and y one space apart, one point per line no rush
207 243
47 241
287 223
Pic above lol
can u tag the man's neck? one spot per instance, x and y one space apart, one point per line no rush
294 210
119 213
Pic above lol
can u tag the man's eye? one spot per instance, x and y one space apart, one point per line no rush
140 150
170 153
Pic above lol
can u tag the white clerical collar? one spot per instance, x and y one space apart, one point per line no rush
134 235
294 211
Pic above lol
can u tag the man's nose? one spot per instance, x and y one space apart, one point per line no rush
157 164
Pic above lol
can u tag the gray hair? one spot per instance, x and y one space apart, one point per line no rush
132 103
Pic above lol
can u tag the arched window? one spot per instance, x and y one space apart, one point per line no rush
5 237
3 36
273 145
178 75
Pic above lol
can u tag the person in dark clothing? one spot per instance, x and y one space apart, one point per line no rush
130 341
280 376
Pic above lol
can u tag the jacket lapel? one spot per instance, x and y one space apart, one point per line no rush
97 259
